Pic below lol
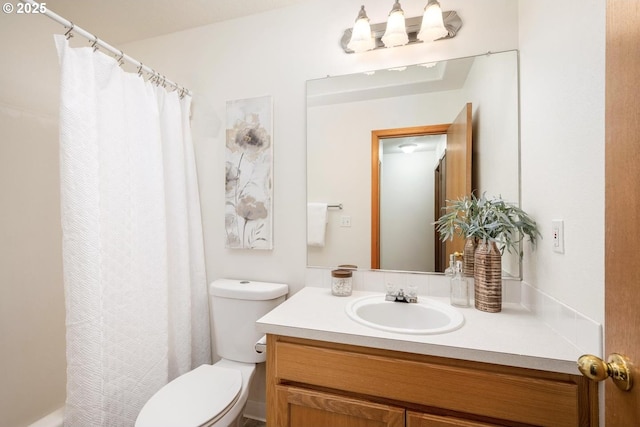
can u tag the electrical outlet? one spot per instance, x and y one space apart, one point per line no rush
345 221
557 232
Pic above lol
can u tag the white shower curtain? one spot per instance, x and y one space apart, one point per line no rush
135 286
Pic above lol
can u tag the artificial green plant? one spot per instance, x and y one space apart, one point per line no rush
487 219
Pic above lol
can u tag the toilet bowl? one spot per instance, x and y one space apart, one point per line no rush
215 395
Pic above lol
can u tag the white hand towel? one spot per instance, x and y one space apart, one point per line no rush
316 223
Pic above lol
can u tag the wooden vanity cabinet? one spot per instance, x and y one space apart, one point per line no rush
301 407
321 384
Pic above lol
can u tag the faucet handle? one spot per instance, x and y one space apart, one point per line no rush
411 295
391 292
391 289
412 290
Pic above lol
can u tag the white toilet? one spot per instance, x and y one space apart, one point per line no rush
215 395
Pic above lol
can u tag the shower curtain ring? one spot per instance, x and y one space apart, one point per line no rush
94 45
140 70
120 61
69 33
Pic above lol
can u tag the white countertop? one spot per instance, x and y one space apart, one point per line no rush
513 337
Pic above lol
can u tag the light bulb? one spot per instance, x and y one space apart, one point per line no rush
361 38
396 31
432 27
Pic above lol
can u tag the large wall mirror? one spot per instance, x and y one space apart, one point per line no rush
362 122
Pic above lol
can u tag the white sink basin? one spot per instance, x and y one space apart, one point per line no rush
424 317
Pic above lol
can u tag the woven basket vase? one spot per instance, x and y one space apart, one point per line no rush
488 277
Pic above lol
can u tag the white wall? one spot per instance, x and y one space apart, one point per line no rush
32 349
32 329
562 99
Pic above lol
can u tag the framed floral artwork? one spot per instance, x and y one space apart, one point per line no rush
249 171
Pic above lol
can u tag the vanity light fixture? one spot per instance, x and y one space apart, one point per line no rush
398 31
408 148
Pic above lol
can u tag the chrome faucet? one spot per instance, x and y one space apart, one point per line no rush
400 296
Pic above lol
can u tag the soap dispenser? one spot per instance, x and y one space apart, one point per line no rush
451 270
459 287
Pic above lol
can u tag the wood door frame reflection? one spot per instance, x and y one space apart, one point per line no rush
376 136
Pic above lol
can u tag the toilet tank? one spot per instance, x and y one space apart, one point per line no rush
234 307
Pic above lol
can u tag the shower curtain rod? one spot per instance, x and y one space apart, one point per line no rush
118 54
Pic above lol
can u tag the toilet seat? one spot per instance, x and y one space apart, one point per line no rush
197 398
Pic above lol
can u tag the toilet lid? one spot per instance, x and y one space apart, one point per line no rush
192 399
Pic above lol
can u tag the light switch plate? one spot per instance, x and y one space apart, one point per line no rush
557 230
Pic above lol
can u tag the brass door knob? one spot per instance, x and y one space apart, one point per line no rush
617 367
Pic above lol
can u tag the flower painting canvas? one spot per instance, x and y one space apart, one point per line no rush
248 181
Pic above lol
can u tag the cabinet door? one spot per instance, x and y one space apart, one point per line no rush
417 419
297 407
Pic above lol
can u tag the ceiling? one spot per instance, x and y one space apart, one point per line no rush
121 21
423 143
